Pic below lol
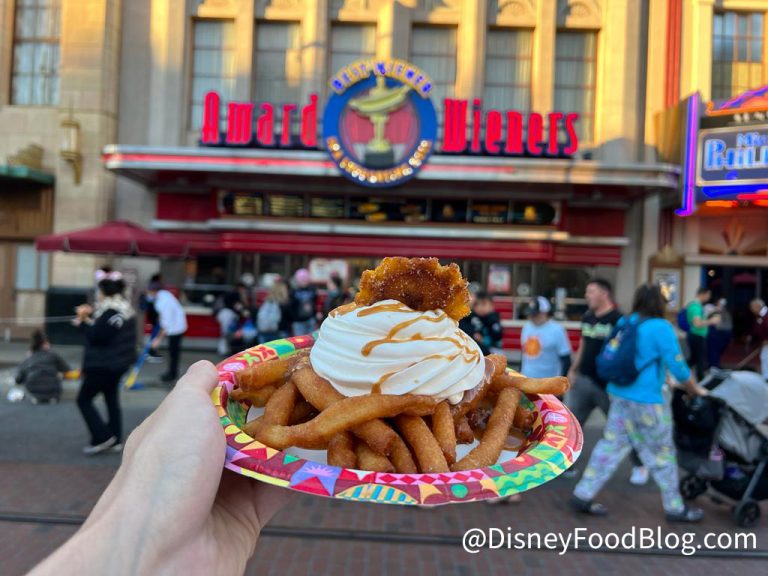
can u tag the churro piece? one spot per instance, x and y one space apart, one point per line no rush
319 392
420 283
302 411
444 431
557 385
499 363
272 372
495 436
279 408
424 445
464 434
471 398
258 398
401 457
367 459
524 419
341 451
338 417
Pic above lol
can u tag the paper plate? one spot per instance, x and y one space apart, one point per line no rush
552 446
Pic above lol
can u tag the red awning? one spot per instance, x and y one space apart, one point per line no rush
328 245
118 237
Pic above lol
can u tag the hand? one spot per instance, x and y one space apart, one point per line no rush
83 311
572 373
155 342
171 507
478 337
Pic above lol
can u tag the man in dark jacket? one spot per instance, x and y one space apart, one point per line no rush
110 349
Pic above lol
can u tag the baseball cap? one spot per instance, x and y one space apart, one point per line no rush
539 305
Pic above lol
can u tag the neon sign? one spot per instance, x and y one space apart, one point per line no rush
380 125
733 156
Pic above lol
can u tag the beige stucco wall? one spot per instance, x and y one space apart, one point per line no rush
89 50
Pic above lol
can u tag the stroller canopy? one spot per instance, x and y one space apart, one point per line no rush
746 393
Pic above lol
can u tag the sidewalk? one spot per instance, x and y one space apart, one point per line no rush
48 487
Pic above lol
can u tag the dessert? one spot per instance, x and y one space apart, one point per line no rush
392 384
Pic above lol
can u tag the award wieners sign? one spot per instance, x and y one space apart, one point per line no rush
379 125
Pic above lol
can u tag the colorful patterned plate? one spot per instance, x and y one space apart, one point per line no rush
552 447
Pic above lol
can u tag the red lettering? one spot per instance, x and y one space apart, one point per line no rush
239 123
573 137
454 125
209 133
535 134
493 132
265 125
477 121
285 137
309 123
554 127
514 133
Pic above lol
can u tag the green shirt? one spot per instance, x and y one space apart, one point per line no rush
696 310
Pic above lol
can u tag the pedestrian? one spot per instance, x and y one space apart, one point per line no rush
720 334
273 319
760 332
483 323
336 294
201 511
303 304
588 390
109 328
638 415
228 317
544 341
698 329
41 371
173 325
152 318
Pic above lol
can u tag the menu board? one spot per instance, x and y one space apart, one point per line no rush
376 209
241 204
326 208
534 213
489 212
286 205
449 210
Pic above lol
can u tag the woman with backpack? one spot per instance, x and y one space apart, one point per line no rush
273 319
634 362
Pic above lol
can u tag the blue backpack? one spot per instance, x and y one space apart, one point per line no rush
682 320
616 361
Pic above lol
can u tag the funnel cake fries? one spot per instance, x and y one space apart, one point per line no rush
392 384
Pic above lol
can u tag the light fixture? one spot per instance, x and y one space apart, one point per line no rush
70 145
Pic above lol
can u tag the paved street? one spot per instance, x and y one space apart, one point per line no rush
48 487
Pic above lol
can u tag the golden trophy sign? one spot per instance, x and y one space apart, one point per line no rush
377 105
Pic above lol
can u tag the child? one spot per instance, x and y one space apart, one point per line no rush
483 324
41 371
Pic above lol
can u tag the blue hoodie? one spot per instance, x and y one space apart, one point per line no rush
658 350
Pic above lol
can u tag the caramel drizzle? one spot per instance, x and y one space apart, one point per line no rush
464 351
342 310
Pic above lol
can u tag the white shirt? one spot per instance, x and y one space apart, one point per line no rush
173 320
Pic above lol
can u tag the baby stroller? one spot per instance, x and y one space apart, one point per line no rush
722 443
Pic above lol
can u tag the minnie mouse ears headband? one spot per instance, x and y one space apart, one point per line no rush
111 275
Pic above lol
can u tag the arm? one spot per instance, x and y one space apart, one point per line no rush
61 364
576 364
207 524
21 375
564 352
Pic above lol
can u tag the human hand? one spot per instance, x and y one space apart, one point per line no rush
171 508
572 375
83 311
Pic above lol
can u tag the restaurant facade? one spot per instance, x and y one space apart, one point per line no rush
517 138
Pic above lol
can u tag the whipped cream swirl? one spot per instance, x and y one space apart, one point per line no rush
388 348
